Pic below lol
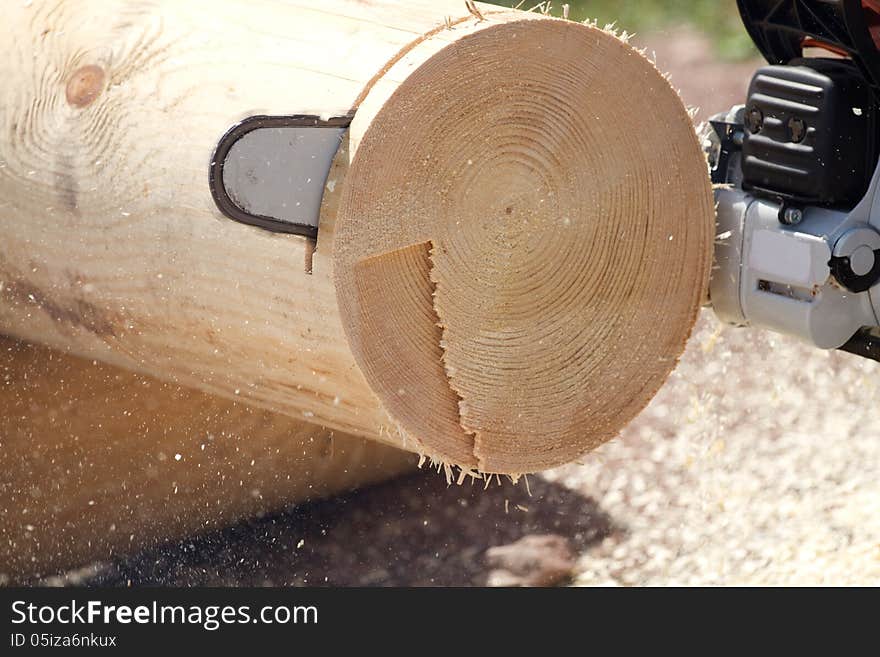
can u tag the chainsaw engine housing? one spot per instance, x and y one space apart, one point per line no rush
798 196
811 133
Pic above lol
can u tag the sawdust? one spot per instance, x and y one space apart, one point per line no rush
759 463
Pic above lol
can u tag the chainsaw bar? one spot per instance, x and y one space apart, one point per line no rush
270 171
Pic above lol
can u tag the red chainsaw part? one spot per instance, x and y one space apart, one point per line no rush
872 19
872 16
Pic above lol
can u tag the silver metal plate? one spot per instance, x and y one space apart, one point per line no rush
270 172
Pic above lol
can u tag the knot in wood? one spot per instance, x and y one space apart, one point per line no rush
85 85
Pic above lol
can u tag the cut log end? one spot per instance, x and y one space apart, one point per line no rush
522 244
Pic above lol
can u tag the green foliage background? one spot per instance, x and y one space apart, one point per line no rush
717 18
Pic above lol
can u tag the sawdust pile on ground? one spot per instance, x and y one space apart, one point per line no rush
758 463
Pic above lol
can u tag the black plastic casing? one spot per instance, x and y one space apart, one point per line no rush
779 27
813 140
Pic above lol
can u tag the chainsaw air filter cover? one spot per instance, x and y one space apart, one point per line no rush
809 133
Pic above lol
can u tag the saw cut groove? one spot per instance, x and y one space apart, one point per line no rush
396 297
566 203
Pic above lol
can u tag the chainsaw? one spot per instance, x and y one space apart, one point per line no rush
797 185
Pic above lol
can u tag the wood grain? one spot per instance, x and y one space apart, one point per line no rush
111 244
546 163
569 212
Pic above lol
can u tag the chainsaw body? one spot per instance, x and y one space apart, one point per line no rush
797 180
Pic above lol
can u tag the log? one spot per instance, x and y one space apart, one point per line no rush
514 240
99 462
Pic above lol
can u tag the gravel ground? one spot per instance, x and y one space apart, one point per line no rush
758 463
415 531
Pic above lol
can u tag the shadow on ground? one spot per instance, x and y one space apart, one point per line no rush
415 531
